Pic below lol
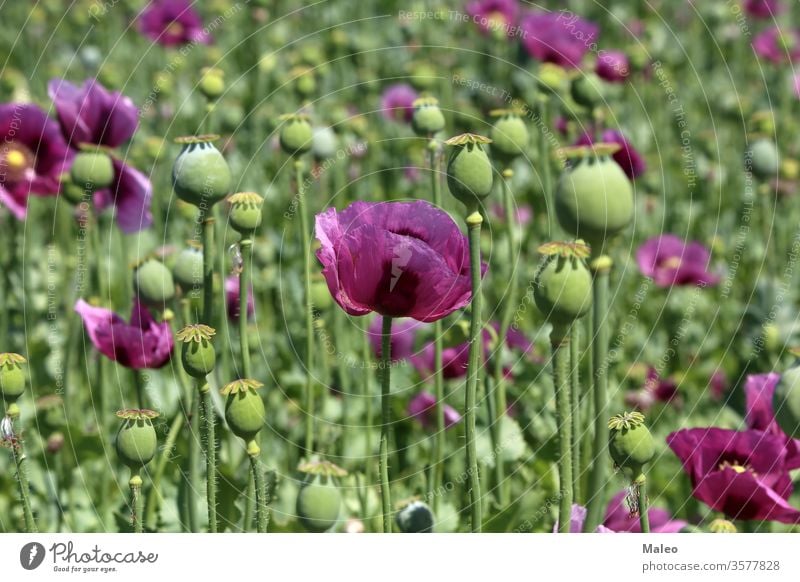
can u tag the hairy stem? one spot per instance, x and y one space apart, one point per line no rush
386 419
559 339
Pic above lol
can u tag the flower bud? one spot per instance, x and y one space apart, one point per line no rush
563 285
212 84
416 517
509 134
764 159
245 214
92 170
12 377
786 399
200 175
72 192
153 283
323 143
318 504
244 409
198 355
587 90
188 269
427 118
469 171
136 440
630 443
296 134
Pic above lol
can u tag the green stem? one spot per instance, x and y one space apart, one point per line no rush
208 269
249 504
366 387
559 339
21 462
137 502
309 315
575 394
598 478
210 450
386 419
474 221
547 175
644 519
259 484
246 246
194 467
166 454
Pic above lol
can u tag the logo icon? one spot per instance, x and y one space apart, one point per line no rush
31 555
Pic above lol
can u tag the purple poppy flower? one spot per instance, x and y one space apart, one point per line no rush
740 473
173 23
613 66
142 343
423 408
523 214
399 259
494 16
718 385
561 37
778 46
655 389
402 337
669 261
93 115
232 299
618 519
796 85
33 155
397 102
762 8
759 390
627 157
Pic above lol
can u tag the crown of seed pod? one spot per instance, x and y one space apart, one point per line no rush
509 133
427 118
153 283
786 399
764 158
296 134
563 284
469 171
136 442
198 355
12 376
244 409
92 169
630 443
212 83
200 175
245 214
188 268
415 517
319 500
594 197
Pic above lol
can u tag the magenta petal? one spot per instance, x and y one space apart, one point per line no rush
133 195
16 204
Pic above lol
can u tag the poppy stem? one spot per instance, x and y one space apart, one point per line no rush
547 173
644 518
210 449
208 268
309 314
166 455
601 266
386 419
474 221
560 344
259 483
137 503
366 387
575 395
246 247
21 462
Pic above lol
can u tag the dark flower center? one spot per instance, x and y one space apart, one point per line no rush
16 162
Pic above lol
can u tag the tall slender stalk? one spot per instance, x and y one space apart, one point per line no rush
21 463
193 409
309 315
560 340
547 172
641 487
257 472
474 221
366 394
155 490
246 247
386 419
600 338
208 269
137 503
210 449
575 395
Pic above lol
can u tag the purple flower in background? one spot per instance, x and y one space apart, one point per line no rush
232 299
397 102
402 338
762 8
401 259
494 16
740 473
561 37
173 23
618 519
796 85
142 343
778 46
92 115
627 157
613 66
656 389
718 384
523 214
33 155
759 414
670 261
423 408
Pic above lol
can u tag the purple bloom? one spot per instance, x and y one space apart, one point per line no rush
740 473
669 261
627 157
95 116
778 46
656 389
618 519
613 66
172 23
796 85
402 337
401 259
494 16
142 343
397 102
423 408
762 8
33 155
523 214
232 299
718 384
759 390
562 37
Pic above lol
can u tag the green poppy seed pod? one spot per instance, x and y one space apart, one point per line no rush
320 295
198 355
469 171
136 442
200 175
630 443
587 90
428 119
212 84
92 170
153 283
323 143
594 197
245 214
424 76
318 504
416 517
244 409
12 377
563 285
764 159
304 81
296 134
551 77
509 134
188 268
72 192
786 400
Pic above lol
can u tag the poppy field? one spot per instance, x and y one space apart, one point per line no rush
362 267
